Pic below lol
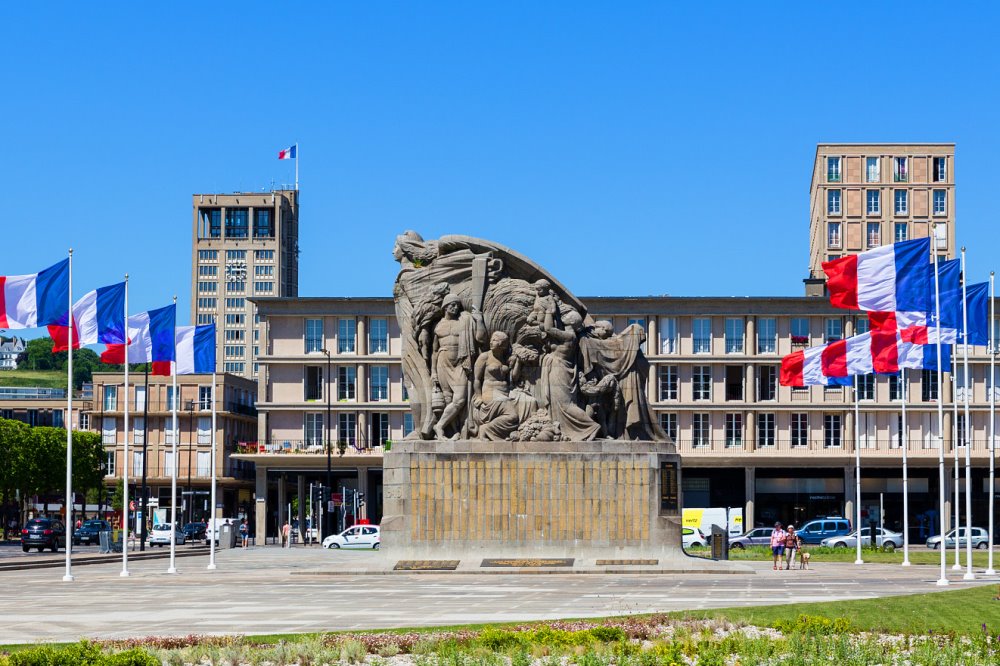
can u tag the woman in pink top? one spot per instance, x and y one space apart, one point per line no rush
777 544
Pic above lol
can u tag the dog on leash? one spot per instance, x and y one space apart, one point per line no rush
804 560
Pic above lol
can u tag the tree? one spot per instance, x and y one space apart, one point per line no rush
88 455
14 441
40 356
45 462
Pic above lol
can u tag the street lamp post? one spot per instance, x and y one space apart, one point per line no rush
326 435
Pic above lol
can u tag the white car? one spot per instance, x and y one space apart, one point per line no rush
692 536
359 536
160 536
980 539
884 538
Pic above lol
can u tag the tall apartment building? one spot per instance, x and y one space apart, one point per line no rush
245 244
865 195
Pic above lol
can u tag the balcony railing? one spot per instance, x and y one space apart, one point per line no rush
310 447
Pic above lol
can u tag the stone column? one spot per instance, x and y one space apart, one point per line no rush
362 387
652 336
750 482
363 488
281 504
362 345
750 388
750 428
363 430
260 510
300 489
751 342
849 510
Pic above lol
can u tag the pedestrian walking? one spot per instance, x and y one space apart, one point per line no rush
792 543
286 530
777 544
245 533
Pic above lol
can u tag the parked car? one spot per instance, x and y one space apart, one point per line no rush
90 531
359 536
692 536
883 538
195 531
816 530
980 538
758 536
42 533
160 536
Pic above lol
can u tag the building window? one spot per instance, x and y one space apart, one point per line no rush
765 430
313 433
940 202
702 331
941 237
874 234
109 463
208 287
767 382
701 430
208 271
872 171
407 423
833 234
235 335
833 202
874 199
172 399
734 335
899 172
866 387
314 382
263 287
348 431
204 397
210 223
669 424
668 335
346 380
940 169
235 286
901 232
138 430
238 255
235 303
668 382
204 469
136 464
833 169
900 205
734 430
84 421
237 223
861 325
109 430
205 319
263 271
895 385
767 335
834 329
208 255
235 351
831 430
233 367
110 395
262 224
314 335
347 332
701 382
963 436
800 429
800 331
379 383
734 382
263 255
378 336
928 385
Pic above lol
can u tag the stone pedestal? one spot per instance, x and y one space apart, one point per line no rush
530 504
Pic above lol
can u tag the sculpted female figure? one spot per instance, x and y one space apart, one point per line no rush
499 409
456 338
559 381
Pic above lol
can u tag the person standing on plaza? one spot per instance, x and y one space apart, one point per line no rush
777 544
792 542
286 531
244 533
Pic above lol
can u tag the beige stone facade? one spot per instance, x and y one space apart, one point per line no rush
865 195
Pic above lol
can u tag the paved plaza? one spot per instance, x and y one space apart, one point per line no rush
271 590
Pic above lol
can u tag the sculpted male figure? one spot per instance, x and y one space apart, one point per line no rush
456 338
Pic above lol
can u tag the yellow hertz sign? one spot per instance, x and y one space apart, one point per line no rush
692 518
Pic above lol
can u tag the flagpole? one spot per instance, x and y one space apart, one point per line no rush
296 167
992 487
68 576
940 408
172 569
906 482
956 443
968 429
124 572
211 514
857 469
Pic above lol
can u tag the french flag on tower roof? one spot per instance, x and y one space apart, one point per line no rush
39 299
892 278
97 317
288 153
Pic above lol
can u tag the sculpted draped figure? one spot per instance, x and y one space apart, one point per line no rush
495 348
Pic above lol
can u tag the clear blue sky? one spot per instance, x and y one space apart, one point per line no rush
631 148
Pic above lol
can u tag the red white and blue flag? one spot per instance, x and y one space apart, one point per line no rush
891 278
288 153
195 349
151 340
97 317
39 299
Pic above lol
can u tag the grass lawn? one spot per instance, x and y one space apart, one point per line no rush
825 554
40 378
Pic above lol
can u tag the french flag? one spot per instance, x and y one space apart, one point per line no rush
898 342
98 317
288 153
918 327
832 364
39 299
887 279
151 340
195 349
977 305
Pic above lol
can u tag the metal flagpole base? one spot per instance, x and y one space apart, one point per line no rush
171 570
957 567
990 572
906 563
212 567
969 576
859 561
942 582
125 574
68 578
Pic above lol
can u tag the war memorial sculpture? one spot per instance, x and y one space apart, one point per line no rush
533 442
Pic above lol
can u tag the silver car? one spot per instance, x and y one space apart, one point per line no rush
980 539
884 538
758 536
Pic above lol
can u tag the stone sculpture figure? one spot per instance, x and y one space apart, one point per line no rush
548 373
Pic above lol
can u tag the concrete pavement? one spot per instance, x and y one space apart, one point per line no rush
272 590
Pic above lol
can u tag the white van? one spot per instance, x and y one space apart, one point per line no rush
211 525
703 519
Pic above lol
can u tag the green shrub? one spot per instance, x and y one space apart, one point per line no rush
83 653
133 657
499 640
608 634
813 624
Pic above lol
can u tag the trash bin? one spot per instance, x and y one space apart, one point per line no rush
105 537
720 543
227 536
